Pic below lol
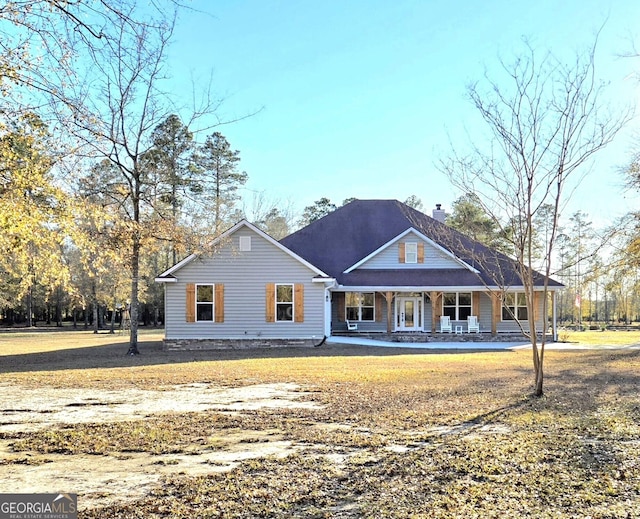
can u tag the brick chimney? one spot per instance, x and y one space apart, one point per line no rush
438 213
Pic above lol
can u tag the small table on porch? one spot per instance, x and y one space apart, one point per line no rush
458 329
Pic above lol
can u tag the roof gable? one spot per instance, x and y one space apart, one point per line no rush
168 276
419 236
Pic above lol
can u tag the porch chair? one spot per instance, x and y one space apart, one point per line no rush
351 326
445 324
472 324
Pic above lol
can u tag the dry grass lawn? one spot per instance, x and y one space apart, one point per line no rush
395 433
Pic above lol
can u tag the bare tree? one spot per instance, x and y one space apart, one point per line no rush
113 115
274 216
544 122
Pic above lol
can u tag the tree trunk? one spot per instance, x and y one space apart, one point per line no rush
112 328
538 363
539 380
94 305
135 269
30 307
59 306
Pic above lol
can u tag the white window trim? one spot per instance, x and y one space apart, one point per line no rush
457 306
293 301
212 302
513 318
360 307
411 252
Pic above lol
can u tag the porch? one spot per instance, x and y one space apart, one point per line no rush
415 316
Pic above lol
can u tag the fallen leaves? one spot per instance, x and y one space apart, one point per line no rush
408 435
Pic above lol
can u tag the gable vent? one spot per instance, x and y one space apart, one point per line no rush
245 243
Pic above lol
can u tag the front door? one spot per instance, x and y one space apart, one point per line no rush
409 314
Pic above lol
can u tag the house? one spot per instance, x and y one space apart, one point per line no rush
370 267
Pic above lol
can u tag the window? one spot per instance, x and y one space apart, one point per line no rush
411 252
456 305
514 306
360 306
204 302
284 302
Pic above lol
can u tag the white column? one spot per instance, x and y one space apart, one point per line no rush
555 318
327 312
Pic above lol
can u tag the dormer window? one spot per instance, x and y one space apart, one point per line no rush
411 252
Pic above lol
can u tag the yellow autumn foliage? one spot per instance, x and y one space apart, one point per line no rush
32 209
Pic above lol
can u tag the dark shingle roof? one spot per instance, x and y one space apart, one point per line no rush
342 238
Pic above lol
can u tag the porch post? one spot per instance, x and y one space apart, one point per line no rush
496 312
554 322
389 297
436 307
327 312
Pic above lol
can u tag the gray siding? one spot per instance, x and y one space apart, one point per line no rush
388 258
363 326
513 327
428 313
379 326
245 276
484 318
484 313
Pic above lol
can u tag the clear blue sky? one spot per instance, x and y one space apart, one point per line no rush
360 98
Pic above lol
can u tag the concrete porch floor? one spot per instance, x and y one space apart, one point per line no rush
434 344
429 337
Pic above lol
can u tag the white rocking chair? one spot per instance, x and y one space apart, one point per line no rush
472 324
351 326
445 324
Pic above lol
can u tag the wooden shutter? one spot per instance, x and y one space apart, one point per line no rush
420 252
219 303
191 303
378 303
298 311
401 257
270 303
338 298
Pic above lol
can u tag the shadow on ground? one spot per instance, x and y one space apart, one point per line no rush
152 354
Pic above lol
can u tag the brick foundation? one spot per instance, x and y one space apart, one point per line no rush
237 344
410 337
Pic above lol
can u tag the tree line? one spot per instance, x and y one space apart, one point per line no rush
65 244
597 266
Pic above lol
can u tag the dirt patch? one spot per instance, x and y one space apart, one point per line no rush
101 480
27 409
